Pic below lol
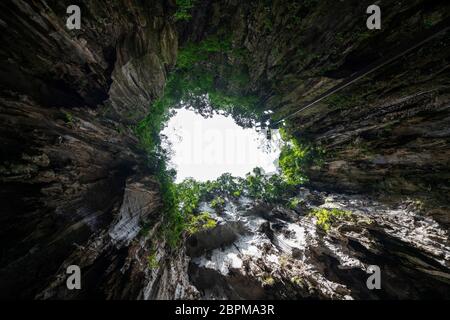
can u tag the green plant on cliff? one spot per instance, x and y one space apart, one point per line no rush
225 185
152 261
184 7
193 53
148 133
68 118
184 200
269 188
174 222
202 221
296 157
292 161
294 203
189 193
325 217
148 130
217 203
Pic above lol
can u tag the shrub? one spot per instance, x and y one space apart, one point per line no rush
200 222
268 281
296 280
152 261
292 160
293 203
183 9
296 157
325 217
271 188
68 117
217 203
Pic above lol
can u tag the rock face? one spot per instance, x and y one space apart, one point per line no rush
138 202
122 52
75 188
116 261
279 253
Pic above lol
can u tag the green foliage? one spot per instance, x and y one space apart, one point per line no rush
268 281
292 160
226 185
68 117
152 261
325 217
256 185
293 203
148 130
200 222
271 188
186 197
183 9
217 203
189 193
296 157
193 53
175 221
297 280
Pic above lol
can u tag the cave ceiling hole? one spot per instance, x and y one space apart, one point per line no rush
204 143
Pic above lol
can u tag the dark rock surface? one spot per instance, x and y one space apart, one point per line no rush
75 187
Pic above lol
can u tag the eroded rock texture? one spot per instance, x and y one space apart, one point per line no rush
75 188
281 253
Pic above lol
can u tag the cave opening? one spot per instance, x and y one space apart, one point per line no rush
212 141
205 146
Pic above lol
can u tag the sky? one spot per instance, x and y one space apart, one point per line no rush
205 148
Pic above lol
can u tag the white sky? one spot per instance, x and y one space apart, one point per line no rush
205 148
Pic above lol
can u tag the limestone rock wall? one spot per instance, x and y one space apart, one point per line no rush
75 187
